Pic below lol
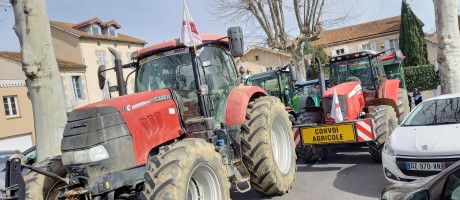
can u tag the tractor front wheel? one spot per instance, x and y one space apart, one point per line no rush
268 146
385 121
187 169
41 187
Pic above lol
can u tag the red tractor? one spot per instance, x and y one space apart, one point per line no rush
372 106
189 131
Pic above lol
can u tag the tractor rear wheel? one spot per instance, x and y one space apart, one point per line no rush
41 187
268 146
403 104
187 169
311 153
385 121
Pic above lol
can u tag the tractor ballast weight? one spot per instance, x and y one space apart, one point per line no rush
190 129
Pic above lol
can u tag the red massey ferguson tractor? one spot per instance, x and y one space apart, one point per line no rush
372 106
189 132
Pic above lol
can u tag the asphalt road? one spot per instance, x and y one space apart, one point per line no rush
348 174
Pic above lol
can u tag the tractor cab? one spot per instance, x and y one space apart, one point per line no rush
364 67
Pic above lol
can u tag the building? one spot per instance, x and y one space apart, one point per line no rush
259 59
87 43
16 115
432 47
376 35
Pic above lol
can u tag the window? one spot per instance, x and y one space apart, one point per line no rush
112 31
77 90
101 57
98 43
340 51
435 112
370 47
115 44
95 29
394 44
129 46
10 103
269 68
452 186
257 58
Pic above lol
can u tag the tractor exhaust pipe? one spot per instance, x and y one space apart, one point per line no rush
122 90
322 83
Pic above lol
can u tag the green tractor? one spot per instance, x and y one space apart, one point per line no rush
393 68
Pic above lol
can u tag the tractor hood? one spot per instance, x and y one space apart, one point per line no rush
348 88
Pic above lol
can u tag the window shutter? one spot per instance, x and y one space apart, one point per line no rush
387 44
333 53
72 88
81 87
346 50
374 46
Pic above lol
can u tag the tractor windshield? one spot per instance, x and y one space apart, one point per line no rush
356 69
268 81
173 70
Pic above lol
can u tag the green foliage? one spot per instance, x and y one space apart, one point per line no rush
422 77
411 38
322 55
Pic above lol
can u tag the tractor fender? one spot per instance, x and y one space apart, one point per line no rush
389 89
384 101
238 101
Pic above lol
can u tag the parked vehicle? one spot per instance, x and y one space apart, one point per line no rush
426 143
444 186
311 89
30 154
372 106
189 131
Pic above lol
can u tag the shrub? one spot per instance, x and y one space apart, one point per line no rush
422 77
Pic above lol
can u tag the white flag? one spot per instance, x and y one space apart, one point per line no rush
336 112
189 33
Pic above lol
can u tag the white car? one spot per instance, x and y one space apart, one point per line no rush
427 142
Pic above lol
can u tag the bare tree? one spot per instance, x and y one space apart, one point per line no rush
270 16
43 81
448 45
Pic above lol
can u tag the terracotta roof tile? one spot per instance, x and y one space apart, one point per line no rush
90 21
360 31
70 28
111 22
16 56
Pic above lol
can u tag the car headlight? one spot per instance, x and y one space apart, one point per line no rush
93 154
388 149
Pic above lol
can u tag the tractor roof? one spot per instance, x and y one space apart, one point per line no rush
351 56
173 44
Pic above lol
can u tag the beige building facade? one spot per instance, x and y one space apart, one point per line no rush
87 43
16 114
259 59
379 35
432 47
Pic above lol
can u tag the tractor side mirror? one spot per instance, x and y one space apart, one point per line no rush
293 72
236 43
399 55
101 76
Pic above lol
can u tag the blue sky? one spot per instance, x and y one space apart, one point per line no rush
155 20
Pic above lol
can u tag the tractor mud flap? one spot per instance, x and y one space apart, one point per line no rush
355 131
16 187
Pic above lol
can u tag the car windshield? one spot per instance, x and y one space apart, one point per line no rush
357 69
435 112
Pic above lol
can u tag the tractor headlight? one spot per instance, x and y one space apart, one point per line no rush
388 149
93 154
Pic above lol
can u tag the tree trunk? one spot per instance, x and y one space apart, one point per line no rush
300 65
448 45
43 79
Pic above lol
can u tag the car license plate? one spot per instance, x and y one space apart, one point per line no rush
425 166
328 134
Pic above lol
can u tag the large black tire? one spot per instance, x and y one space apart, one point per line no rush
403 104
41 187
268 147
385 121
183 163
311 153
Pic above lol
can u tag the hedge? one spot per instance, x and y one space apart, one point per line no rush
422 77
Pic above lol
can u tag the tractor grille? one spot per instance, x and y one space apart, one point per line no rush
98 126
327 104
